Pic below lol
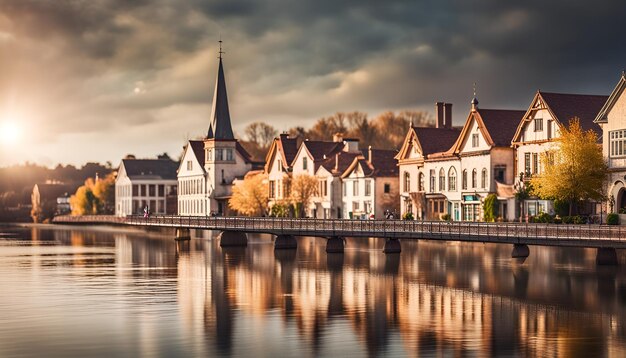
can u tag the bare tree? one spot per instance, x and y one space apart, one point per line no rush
261 134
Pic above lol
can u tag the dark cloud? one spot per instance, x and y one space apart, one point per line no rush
82 66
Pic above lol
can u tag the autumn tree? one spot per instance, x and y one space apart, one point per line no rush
259 137
250 196
303 188
95 197
576 171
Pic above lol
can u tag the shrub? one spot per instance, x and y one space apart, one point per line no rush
612 219
622 210
446 217
490 207
407 216
557 220
567 219
544 218
580 220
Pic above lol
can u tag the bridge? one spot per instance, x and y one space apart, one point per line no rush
605 238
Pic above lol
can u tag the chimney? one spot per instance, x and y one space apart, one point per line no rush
338 137
369 154
284 135
439 114
336 162
351 145
447 111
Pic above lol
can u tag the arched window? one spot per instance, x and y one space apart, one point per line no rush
474 178
421 182
483 179
452 179
442 180
464 180
407 182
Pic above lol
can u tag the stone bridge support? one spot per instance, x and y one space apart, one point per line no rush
182 234
285 242
606 256
335 245
392 246
233 239
520 251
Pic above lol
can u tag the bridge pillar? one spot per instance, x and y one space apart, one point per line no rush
182 234
335 245
606 256
520 251
233 238
392 246
285 242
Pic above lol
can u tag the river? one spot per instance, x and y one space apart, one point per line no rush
105 292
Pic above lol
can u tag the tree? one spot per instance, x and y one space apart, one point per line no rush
250 196
104 190
490 208
95 197
576 171
261 134
303 188
84 202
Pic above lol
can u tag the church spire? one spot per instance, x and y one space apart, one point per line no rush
220 126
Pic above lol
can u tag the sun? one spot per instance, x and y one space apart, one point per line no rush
9 133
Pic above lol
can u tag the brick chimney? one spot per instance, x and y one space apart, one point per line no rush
447 111
369 154
439 115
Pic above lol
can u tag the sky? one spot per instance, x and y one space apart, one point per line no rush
94 80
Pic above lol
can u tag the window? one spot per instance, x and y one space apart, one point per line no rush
161 190
209 154
355 188
189 165
452 179
368 188
421 181
323 188
304 163
535 163
367 206
483 178
272 189
464 180
345 188
407 182
474 178
474 140
152 190
280 164
223 178
135 190
549 134
387 188
442 180
527 164
432 181
355 206
219 154
617 145
229 154
143 190
499 173
538 124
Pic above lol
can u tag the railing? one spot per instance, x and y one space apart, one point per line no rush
548 234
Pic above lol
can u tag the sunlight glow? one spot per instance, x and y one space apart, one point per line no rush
9 133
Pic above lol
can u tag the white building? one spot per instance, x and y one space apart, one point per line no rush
612 120
207 171
278 167
542 123
146 182
418 144
370 185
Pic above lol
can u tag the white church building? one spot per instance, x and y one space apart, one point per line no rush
209 166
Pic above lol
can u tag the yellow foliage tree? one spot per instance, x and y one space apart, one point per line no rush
575 171
250 196
94 197
84 202
303 188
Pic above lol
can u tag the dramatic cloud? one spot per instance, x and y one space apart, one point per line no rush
94 80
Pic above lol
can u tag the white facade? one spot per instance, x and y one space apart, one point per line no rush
132 195
192 184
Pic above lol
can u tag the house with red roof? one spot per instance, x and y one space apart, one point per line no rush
418 144
480 159
612 120
370 185
548 114
278 160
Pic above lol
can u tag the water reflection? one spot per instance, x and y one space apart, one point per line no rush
149 295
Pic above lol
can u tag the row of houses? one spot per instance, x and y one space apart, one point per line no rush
438 172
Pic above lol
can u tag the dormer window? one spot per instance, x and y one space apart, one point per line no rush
474 140
538 124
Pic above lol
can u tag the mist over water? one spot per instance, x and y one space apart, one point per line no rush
72 291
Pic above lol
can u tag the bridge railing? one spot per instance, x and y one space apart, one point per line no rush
387 228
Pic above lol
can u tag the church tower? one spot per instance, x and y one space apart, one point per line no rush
225 158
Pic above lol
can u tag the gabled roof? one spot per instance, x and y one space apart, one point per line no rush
286 147
164 169
601 117
53 191
319 150
220 127
383 164
429 140
338 162
198 150
565 106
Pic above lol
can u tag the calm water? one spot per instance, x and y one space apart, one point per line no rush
100 292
